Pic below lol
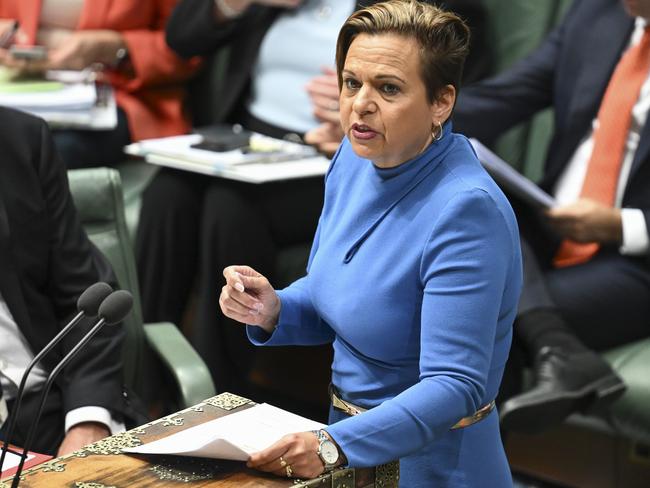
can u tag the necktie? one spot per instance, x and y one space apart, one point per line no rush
610 139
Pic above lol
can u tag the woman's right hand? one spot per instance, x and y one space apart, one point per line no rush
249 298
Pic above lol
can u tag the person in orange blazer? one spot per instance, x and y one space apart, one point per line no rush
127 37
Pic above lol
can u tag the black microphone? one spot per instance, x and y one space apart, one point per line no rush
88 305
111 311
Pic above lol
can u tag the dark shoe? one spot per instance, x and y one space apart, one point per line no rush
566 383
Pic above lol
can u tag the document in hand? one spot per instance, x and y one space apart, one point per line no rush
234 437
510 179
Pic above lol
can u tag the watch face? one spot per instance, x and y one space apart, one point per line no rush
329 452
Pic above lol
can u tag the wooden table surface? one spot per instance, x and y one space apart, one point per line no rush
103 465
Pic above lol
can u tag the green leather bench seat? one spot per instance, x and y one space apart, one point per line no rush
97 194
135 175
630 415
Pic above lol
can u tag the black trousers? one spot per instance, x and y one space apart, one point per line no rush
193 226
89 148
605 301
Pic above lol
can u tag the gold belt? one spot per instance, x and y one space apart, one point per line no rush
350 409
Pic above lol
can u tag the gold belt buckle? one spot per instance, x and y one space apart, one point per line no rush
479 415
340 404
348 408
352 410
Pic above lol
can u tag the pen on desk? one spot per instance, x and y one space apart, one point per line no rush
7 37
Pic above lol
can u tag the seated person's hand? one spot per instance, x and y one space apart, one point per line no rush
81 435
19 67
22 67
326 138
324 93
278 3
587 221
249 298
298 451
241 5
85 47
79 50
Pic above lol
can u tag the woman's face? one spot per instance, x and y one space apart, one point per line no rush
384 108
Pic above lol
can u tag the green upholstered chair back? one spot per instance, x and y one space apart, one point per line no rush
516 28
97 194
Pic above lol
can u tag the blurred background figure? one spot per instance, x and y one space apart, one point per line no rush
587 278
46 262
126 37
279 81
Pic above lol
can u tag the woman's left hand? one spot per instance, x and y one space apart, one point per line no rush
85 47
293 456
326 138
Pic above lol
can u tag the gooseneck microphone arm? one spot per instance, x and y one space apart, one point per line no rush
11 423
46 390
88 304
112 310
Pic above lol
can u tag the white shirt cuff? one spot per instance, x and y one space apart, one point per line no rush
93 414
3 411
635 232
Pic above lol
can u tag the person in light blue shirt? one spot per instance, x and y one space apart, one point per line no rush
414 275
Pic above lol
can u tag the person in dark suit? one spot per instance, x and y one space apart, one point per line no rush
260 35
586 266
46 262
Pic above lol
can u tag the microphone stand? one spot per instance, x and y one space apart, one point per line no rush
50 379
13 414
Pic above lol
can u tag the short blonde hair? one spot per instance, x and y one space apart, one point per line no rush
443 38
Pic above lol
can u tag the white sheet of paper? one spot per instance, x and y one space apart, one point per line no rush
12 460
233 437
70 97
251 173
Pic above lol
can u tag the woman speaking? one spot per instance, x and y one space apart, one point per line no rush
414 274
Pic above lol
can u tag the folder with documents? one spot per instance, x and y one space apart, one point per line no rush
275 160
510 179
71 103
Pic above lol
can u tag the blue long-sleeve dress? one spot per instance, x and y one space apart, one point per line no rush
414 276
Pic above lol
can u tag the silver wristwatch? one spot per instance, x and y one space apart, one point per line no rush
327 450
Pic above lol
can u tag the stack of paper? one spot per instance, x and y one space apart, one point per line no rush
49 96
280 160
234 437
73 104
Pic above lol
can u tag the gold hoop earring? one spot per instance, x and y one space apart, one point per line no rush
434 126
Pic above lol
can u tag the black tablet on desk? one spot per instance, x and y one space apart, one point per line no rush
222 137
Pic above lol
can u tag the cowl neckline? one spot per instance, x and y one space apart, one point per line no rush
415 164
388 186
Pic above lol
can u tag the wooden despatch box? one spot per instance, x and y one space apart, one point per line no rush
103 465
